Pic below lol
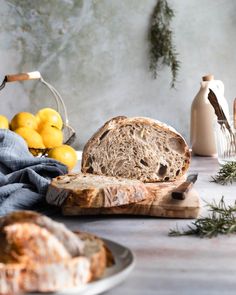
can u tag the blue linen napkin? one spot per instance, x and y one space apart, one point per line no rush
24 179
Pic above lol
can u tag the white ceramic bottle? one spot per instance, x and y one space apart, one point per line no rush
203 117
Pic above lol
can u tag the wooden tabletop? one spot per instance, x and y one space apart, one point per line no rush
172 265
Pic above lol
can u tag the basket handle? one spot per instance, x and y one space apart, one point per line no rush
23 76
34 76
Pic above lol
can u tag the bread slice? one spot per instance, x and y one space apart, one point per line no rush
17 278
25 243
51 273
68 239
89 190
160 205
137 148
99 255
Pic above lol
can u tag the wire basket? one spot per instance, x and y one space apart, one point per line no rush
68 131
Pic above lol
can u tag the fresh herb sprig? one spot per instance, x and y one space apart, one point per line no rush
162 50
222 220
226 174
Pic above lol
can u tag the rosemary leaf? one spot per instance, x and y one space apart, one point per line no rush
162 50
227 174
221 220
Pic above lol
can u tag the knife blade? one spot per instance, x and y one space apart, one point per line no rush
181 191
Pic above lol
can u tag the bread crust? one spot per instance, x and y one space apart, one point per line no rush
28 243
88 159
44 277
99 259
68 189
52 276
73 245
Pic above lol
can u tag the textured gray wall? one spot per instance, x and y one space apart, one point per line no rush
95 52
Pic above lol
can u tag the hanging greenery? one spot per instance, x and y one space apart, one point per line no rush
162 50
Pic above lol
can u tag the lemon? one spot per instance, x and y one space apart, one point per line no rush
51 136
50 116
4 124
24 119
31 136
64 154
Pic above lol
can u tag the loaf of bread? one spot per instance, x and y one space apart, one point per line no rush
27 243
33 259
67 238
89 190
136 148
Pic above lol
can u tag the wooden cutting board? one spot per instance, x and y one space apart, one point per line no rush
160 204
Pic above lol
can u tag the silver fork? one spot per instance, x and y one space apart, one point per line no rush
230 139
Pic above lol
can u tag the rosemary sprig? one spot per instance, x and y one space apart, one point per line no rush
222 220
226 174
162 50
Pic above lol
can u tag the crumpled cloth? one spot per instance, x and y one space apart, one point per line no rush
24 179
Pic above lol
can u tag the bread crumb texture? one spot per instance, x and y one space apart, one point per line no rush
137 148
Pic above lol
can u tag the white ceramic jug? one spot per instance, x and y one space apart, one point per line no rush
203 117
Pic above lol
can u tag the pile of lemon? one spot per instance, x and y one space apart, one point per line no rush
42 131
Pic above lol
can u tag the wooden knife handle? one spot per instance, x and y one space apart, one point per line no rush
181 191
23 76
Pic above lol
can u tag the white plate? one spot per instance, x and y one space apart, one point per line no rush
124 263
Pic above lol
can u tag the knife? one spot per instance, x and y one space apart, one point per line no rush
181 191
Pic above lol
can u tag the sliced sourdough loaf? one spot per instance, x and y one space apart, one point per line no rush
32 259
137 148
89 190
